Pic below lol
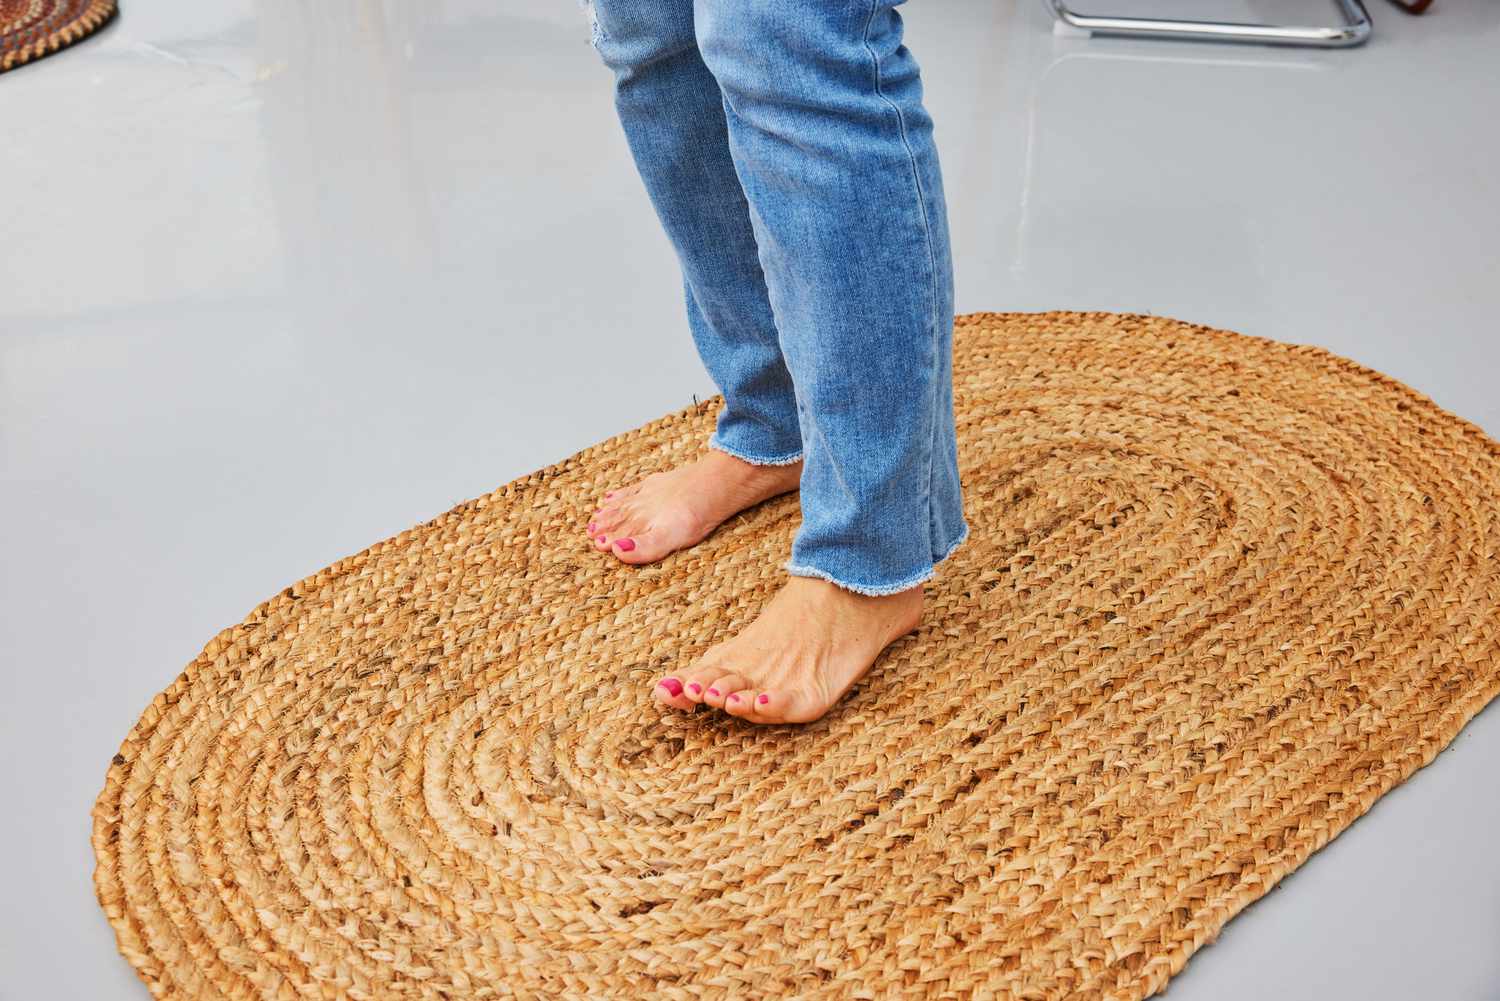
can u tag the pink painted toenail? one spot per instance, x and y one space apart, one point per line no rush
734 697
713 691
672 685
626 545
592 526
696 687
764 699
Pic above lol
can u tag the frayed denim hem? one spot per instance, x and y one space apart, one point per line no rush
778 460
879 590
596 33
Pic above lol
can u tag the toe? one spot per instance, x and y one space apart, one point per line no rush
669 691
606 518
639 547
617 496
695 682
723 686
770 706
741 703
599 529
611 524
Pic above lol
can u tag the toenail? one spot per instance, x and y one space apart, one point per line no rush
592 526
672 685
696 687
764 699
713 691
625 544
734 697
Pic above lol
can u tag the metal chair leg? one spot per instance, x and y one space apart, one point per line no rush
1353 31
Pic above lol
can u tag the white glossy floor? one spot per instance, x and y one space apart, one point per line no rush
279 278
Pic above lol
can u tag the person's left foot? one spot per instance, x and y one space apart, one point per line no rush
806 648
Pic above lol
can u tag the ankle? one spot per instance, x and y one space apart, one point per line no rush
749 483
902 604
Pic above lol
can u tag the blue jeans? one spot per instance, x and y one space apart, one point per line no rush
787 152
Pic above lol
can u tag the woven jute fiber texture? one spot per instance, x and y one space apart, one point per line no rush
30 29
1220 594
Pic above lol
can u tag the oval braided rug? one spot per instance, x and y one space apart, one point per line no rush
30 29
1220 595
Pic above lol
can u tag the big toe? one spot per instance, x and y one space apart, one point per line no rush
669 691
741 703
773 705
645 546
788 706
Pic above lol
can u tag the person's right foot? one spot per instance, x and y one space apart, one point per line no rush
808 646
678 508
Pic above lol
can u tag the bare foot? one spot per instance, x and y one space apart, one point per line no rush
671 510
806 648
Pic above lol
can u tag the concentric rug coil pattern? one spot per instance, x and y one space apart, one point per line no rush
30 29
1220 595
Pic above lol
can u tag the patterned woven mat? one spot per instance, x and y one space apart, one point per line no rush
1221 594
30 29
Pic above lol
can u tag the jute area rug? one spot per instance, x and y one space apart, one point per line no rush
30 29
1220 595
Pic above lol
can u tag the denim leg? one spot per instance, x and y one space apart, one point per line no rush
673 116
835 152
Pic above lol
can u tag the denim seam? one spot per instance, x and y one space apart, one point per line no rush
776 460
932 318
878 590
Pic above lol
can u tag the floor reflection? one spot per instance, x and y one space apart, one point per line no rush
350 196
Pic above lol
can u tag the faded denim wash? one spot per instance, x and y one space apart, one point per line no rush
787 152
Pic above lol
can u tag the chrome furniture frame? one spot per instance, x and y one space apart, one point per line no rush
1354 30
